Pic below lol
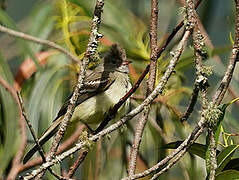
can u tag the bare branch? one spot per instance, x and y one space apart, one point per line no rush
179 156
176 153
39 41
77 163
217 98
65 145
191 16
90 51
192 103
151 84
39 148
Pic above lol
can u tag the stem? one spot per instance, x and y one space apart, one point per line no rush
151 84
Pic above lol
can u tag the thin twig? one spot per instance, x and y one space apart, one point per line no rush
217 58
190 27
174 32
90 51
64 146
77 163
39 148
177 152
150 83
201 80
39 41
179 156
217 98
192 103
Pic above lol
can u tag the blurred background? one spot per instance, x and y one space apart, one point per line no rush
46 77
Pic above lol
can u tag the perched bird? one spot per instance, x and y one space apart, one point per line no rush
102 89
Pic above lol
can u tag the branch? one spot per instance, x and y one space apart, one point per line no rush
201 82
217 98
209 43
63 147
192 103
191 17
178 157
77 163
176 153
39 41
39 148
90 51
150 83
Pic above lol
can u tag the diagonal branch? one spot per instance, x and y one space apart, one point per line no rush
39 41
90 51
217 98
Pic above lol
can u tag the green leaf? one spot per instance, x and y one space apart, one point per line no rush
41 24
7 21
44 80
231 38
195 148
228 175
225 156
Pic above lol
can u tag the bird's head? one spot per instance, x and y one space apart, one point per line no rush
116 60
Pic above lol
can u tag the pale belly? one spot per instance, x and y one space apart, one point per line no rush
94 110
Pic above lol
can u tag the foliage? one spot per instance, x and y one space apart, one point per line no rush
68 23
226 164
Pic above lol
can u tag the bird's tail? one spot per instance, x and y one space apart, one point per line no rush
43 139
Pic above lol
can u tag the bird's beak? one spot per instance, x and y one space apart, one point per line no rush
127 62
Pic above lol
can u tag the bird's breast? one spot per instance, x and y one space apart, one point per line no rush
94 109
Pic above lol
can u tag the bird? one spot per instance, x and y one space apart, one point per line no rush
102 89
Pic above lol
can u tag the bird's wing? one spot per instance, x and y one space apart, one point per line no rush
93 84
